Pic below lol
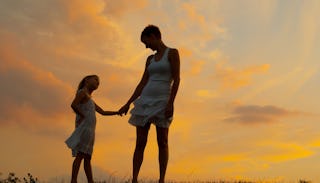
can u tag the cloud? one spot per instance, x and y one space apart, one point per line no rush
48 47
231 78
207 94
193 15
185 52
197 19
250 114
67 30
27 88
197 67
122 7
279 151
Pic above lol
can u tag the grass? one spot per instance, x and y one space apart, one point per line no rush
12 178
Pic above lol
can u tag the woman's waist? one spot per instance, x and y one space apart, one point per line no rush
167 80
159 83
156 89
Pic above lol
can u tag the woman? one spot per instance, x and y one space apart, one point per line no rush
154 98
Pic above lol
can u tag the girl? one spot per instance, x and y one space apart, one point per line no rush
82 139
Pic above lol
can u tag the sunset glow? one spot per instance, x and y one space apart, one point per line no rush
247 107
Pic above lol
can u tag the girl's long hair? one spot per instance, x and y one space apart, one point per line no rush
83 81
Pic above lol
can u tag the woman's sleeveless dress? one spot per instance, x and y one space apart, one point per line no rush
82 138
151 105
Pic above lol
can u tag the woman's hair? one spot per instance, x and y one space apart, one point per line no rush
83 81
151 29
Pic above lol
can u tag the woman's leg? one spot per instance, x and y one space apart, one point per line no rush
141 141
87 168
162 137
75 167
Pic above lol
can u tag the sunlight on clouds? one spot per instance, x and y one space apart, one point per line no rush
206 30
185 52
236 169
305 74
234 157
231 78
121 8
278 152
78 9
315 143
288 80
193 15
207 94
309 26
197 66
35 84
215 54
181 126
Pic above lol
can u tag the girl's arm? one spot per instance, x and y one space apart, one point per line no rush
139 88
105 113
76 101
175 70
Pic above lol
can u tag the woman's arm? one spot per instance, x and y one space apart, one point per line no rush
139 88
174 60
105 113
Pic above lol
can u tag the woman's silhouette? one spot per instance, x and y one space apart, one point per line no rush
154 98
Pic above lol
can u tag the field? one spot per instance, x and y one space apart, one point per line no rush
12 178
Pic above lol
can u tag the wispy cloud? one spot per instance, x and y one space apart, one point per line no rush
232 78
25 84
123 7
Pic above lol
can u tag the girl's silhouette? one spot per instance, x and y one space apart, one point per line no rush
82 139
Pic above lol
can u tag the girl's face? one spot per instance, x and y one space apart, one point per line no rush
93 83
150 41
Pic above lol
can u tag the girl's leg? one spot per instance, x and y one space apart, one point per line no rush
75 167
87 168
141 141
162 138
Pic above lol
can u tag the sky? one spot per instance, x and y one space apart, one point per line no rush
247 106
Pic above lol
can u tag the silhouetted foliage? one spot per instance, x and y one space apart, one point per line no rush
12 178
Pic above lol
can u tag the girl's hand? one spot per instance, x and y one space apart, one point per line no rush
118 113
124 109
169 111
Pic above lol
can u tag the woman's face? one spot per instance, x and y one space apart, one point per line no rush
149 41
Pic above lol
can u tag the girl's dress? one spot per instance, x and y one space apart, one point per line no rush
151 105
82 138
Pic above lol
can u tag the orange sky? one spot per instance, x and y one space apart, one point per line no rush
247 107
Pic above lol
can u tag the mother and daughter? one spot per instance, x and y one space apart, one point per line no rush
153 101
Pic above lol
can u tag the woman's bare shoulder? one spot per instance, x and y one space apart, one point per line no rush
173 52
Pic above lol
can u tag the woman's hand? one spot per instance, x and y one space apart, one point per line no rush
169 111
124 109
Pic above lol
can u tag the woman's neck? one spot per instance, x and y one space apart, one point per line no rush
162 47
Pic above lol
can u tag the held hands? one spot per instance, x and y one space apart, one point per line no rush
117 113
124 109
